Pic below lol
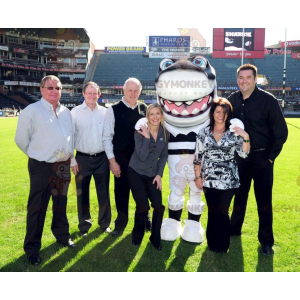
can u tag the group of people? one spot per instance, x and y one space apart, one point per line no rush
104 140
225 164
136 152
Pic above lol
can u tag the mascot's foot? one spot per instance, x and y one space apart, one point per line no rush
170 229
192 232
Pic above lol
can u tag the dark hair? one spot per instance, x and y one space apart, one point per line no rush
247 67
227 108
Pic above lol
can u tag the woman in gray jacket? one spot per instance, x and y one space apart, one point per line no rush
145 171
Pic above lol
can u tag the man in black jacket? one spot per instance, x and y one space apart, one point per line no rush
263 119
118 141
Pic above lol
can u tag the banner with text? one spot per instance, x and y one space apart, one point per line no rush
277 51
238 54
159 49
201 50
290 44
169 41
230 42
176 47
4 48
125 49
296 55
174 55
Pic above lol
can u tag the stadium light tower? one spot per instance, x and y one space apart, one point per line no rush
284 74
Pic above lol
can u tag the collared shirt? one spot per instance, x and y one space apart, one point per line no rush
109 129
44 136
88 128
263 120
149 157
218 168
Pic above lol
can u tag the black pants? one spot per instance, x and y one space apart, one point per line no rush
122 191
96 166
258 168
143 189
46 180
218 223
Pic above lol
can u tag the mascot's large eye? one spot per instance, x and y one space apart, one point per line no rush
199 62
166 63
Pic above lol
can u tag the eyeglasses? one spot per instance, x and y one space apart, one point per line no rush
50 88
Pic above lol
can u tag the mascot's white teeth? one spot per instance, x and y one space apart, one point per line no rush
178 103
189 108
167 109
185 113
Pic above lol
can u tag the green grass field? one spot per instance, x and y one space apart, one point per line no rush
102 252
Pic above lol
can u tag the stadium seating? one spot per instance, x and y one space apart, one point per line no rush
115 69
5 103
78 80
22 46
272 66
65 97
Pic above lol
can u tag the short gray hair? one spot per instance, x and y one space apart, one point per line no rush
135 80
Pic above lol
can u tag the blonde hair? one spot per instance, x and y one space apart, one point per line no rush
162 122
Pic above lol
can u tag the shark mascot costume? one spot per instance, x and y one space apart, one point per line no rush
185 91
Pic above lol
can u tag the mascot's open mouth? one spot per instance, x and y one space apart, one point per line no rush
186 109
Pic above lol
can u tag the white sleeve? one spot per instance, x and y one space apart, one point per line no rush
108 132
24 131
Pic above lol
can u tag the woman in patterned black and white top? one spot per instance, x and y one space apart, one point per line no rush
214 159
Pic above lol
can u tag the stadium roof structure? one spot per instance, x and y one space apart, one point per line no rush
50 33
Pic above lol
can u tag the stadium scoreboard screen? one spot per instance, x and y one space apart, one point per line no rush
228 42
234 39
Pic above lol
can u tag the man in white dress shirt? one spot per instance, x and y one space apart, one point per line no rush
44 134
91 160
